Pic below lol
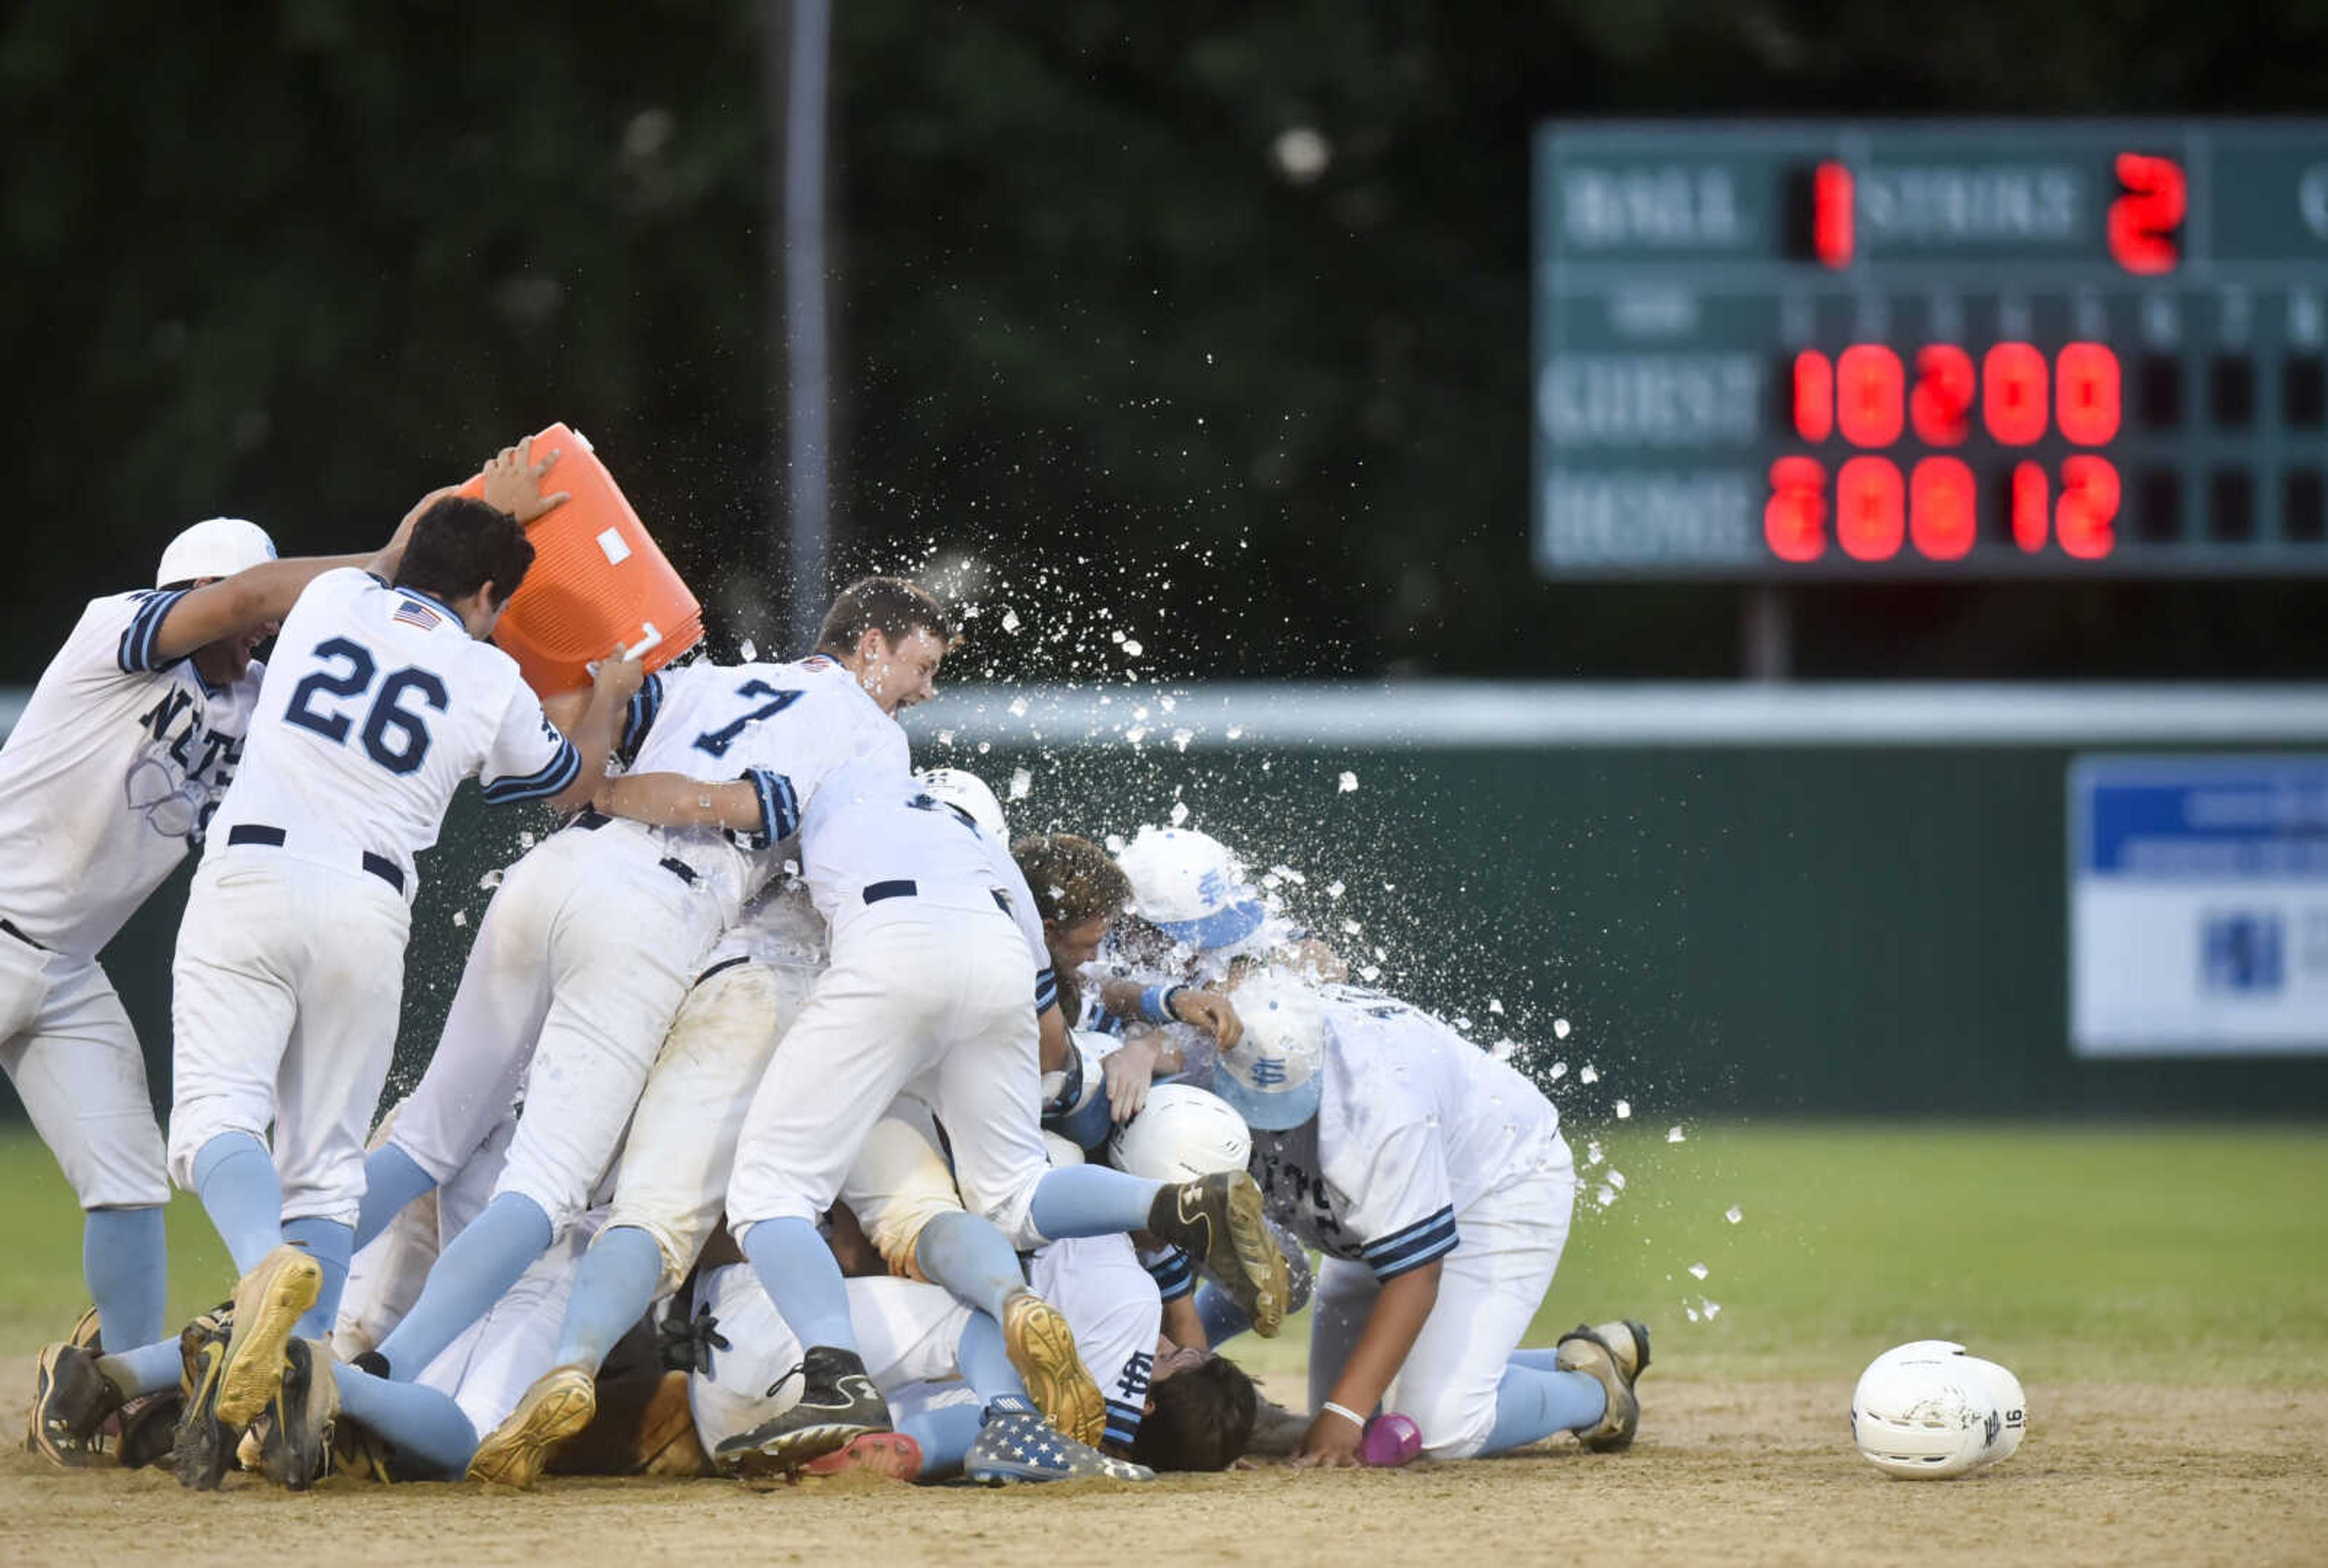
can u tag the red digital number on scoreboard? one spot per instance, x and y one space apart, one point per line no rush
1864 396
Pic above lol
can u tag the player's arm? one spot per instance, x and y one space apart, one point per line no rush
1400 1309
612 687
1125 998
760 806
530 760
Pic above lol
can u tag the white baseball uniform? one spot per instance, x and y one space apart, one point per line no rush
595 937
1424 1147
290 959
106 781
1117 1313
937 973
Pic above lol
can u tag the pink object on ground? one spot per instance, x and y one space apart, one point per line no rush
1391 1439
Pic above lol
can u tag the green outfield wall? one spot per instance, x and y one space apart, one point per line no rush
1875 921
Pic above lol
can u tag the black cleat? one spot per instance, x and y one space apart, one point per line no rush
70 1401
205 1445
1218 1221
149 1428
838 1404
298 1450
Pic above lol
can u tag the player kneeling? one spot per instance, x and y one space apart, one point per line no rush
1437 1183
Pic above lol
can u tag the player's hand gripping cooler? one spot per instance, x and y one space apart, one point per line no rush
598 578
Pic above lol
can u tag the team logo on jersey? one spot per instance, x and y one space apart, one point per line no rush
178 777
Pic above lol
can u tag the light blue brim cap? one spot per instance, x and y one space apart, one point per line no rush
1274 1111
1224 927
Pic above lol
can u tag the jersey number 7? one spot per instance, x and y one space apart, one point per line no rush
718 741
394 735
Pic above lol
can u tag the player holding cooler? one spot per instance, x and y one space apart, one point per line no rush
1435 1181
106 781
289 967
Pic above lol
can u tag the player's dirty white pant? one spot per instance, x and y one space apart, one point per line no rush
900 1182
673 1179
908 1333
284 1004
581 960
1489 1288
66 1045
936 999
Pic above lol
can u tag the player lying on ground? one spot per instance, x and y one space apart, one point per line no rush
1435 1181
287 974
106 781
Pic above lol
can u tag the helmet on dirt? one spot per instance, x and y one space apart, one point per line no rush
1927 1411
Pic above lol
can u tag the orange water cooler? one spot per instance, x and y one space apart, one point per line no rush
598 578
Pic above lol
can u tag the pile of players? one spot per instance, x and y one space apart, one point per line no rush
757 1138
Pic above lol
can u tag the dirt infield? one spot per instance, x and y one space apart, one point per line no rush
1725 1472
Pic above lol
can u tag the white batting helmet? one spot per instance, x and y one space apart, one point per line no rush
1275 1075
1927 1411
967 793
1188 886
218 547
1180 1134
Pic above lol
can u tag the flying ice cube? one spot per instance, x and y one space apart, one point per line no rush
1692 1311
1495 1006
1179 813
1673 1135
1370 974
1017 708
526 840
491 880
945 737
1115 636
1349 783
1351 928
460 918
1699 1271
1010 620
1624 1110
1713 1310
1021 781
1617 1178
1115 843
1132 648
1604 1196
1559 1028
1559 1071
1181 737
1334 889
1593 1152
1733 1214
1590 1074
1236 731
750 650
1504 1049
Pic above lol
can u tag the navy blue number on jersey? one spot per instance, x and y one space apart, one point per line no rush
718 741
394 735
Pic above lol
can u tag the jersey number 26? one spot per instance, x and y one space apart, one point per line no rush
394 735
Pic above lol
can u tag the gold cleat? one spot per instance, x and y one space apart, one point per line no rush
268 1302
1042 1349
1220 1223
559 1404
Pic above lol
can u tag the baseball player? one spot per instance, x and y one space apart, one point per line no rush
288 971
108 780
933 986
1435 1181
589 948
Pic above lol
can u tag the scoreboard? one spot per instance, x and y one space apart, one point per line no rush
1770 350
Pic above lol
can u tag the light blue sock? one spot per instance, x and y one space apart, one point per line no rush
125 1257
1091 1200
1545 1359
1531 1404
331 1245
985 1361
148 1370
474 1273
236 1179
797 1270
613 1285
1219 1314
392 1179
422 1424
946 1435
970 1257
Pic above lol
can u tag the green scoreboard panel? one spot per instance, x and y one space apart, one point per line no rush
1771 350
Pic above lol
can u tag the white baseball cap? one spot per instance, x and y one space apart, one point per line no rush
217 547
969 794
1275 1076
1188 886
1181 1133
